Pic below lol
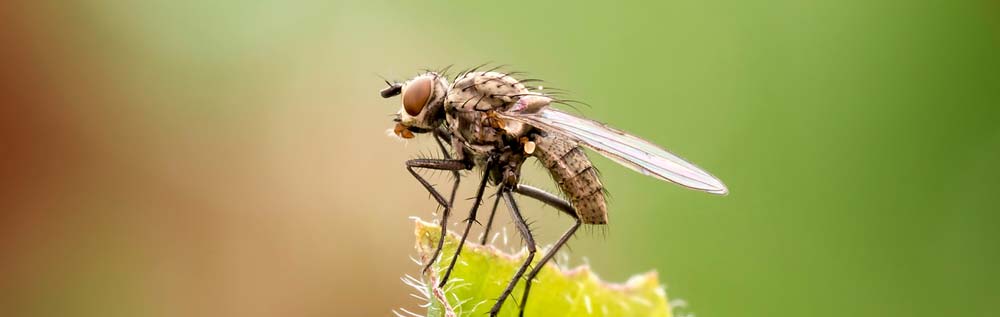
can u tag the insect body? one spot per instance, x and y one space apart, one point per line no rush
575 175
494 122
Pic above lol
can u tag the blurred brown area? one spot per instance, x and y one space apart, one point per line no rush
134 184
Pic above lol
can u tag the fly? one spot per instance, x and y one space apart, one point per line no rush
495 122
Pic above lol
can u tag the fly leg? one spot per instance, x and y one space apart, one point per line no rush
444 165
522 227
439 135
489 223
470 220
565 207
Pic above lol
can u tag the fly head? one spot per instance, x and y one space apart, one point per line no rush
422 108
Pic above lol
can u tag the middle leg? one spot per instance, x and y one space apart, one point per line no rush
470 220
489 222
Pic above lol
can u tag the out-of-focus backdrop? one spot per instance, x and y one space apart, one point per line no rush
229 158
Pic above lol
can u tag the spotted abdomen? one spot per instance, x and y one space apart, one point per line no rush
576 176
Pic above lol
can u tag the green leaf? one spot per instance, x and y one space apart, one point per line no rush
482 273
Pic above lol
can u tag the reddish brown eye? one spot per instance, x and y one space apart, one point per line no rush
416 94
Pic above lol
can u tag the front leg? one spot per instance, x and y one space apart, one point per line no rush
442 135
444 165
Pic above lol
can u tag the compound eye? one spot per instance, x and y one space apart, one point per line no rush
416 94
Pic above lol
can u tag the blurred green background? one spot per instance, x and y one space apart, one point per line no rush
228 158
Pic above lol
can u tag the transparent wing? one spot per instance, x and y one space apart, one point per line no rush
626 149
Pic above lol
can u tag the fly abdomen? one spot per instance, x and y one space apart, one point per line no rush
576 176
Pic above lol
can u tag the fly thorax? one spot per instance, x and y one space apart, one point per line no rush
474 128
484 91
